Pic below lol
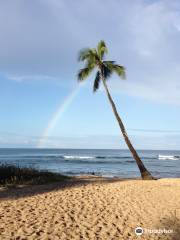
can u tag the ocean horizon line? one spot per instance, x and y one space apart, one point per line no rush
68 148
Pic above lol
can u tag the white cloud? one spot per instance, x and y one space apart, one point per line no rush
145 141
154 74
20 78
40 39
162 87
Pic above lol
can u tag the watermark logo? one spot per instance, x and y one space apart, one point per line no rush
139 231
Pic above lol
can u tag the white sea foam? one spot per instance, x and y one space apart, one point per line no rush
77 157
168 157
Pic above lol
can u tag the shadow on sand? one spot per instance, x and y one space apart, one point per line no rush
16 192
171 224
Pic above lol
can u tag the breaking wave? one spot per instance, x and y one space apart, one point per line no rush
168 157
77 157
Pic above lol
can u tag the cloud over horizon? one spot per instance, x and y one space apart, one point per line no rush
149 142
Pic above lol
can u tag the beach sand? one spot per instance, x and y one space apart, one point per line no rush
91 208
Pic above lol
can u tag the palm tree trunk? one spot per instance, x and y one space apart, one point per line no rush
145 174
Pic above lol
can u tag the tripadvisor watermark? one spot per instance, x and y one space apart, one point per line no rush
139 231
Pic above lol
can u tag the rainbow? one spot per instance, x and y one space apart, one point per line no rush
57 115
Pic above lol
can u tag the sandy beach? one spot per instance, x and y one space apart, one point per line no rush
92 208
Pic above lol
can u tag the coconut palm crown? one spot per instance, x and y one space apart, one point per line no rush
94 59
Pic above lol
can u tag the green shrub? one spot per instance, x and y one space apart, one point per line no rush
23 175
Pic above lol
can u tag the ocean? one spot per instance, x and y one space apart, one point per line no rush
110 163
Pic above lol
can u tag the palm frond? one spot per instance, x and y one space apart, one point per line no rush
88 54
120 71
101 49
109 64
84 73
97 81
106 71
84 54
94 58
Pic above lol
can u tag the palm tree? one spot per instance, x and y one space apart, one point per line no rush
94 59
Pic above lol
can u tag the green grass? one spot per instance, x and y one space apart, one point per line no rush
14 175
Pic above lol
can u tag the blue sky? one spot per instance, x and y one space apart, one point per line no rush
39 42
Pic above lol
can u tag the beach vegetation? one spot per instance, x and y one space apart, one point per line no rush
15 175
